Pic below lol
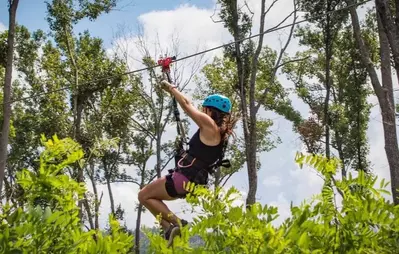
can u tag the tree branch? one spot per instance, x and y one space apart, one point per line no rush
291 61
225 181
139 126
126 181
280 55
271 6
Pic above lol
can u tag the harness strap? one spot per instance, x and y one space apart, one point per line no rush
195 162
170 187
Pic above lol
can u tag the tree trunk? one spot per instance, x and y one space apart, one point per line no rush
5 130
328 52
96 200
217 177
159 159
252 178
359 144
107 175
80 176
252 146
249 123
384 96
388 112
111 196
341 153
391 29
85 203
137 234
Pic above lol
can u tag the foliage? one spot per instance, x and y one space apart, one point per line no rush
362 222
348 109
49 221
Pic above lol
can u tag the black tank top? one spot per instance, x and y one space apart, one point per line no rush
203 152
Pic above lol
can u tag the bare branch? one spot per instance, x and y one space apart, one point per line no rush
249 9
214 13
281 53
126 181
285 19
228 177
255 60
291 61
271 6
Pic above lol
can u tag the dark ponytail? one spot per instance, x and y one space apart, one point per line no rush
226 122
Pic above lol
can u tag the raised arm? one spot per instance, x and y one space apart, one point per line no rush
201 119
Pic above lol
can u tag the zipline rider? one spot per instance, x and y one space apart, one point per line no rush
206 152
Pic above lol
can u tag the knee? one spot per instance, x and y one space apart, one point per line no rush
141 196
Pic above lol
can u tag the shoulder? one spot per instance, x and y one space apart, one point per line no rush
210 135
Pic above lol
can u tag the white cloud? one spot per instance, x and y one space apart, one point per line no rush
2 27
283 206
272 181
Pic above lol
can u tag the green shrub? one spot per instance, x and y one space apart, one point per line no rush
49 221
364 222
361 221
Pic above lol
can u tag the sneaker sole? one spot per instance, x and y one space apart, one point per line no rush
173 233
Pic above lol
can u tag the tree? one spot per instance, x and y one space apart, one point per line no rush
49 222
22 143
329 26
388 14
344 115
108 116
252 94
383 91
7 90
86 61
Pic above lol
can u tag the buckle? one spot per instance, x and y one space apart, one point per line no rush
225 163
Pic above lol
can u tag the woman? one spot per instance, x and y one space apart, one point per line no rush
215 124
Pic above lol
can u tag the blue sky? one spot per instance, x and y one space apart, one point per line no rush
33 14
279 179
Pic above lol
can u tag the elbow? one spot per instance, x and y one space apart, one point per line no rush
188 107
185 103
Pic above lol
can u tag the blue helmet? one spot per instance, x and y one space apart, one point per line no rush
218 101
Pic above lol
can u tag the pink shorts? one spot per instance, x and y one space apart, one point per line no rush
178 180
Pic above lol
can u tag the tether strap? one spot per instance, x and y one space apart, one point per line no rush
165 63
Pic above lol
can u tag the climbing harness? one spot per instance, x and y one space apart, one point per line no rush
194 169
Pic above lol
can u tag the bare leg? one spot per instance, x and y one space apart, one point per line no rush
161 208
165 224
151 197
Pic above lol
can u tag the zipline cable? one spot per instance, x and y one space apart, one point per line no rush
193 55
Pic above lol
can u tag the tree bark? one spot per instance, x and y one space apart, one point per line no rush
252 146
252 177
96 199
111 196
5 130
384 95
390 28
328 51
159 159
360 164
217 177
137 234
85 203
340 153
388 112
